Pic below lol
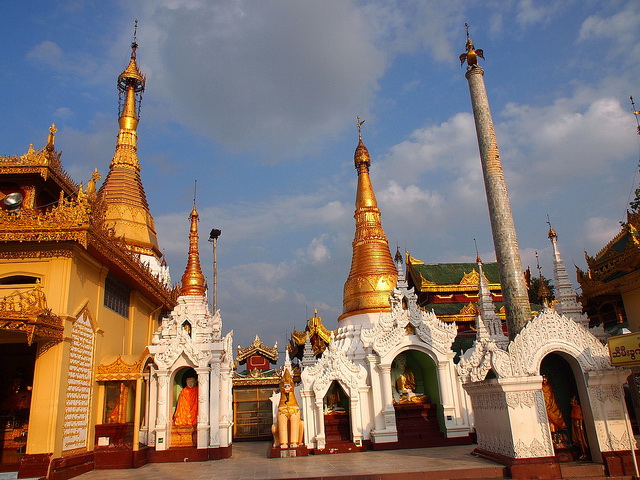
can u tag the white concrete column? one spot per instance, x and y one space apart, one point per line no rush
320 437
389 412
215 405
226 409
356 423
203 407
309 417
373 361
152 407
163 419
137 414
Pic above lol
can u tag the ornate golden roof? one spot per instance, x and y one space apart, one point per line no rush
319 336
257 347
44 162
616 265
127 210
373 274
27 311
117 368
193 279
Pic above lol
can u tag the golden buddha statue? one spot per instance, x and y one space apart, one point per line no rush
577 428
556 420
187 408
405 383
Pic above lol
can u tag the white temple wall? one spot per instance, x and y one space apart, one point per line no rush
511 418
609 414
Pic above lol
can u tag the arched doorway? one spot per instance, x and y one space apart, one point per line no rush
563 404
416 399
337 415
16 381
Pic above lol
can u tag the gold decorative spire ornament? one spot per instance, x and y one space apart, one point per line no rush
373 274
193 279
472 54
127 210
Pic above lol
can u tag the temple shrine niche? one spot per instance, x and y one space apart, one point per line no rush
253 387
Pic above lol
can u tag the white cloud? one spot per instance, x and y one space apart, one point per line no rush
598 231
273 76
316 252
50 54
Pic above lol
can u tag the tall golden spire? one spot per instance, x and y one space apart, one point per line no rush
127 210
193 279
373 274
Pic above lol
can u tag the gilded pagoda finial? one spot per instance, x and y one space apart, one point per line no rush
636 113
359 125
193 279
471 55
361 157
51 139
552 232
478 259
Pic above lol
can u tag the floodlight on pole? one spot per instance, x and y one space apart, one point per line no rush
213 238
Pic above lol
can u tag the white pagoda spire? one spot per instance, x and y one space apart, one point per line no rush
567 303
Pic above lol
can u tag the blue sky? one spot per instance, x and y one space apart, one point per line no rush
258 102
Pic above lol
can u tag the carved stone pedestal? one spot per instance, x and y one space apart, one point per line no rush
418 423
183 436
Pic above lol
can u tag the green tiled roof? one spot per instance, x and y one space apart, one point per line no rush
452 273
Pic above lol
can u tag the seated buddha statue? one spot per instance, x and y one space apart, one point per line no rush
187 408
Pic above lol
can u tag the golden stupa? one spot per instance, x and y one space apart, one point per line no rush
193 279
373 274
126 207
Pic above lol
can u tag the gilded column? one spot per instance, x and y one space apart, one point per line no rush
514 290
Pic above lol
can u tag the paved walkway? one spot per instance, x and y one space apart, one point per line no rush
249 461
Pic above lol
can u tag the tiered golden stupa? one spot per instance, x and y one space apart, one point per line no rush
126 207
193 279
373 274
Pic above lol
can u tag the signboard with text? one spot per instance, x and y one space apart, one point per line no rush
624 349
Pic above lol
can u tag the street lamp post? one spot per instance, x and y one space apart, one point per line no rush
213 238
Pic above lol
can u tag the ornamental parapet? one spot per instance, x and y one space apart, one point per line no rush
45 162
67 220
27 312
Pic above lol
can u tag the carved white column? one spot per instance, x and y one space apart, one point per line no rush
356 419
152 407
387 398
137 414
215 404
373 361
309 417
320 437
203 407
164 410
226 412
